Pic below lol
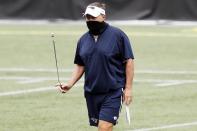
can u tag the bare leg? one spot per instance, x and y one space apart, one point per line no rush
105 126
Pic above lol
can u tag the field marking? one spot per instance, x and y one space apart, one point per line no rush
165 72
41 89
36 79
25 80
68 70
164 83
77 33
157 82
166 23
33 70
166 127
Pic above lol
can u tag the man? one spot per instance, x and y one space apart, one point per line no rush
104 54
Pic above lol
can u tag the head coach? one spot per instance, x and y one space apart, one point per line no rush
105 56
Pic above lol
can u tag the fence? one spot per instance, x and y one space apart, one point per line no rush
116 9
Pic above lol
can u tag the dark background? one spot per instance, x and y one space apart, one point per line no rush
116 9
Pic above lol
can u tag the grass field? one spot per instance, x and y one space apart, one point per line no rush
164 90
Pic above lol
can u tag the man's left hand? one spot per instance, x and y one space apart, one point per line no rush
127 97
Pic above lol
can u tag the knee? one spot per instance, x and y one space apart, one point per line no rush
105 126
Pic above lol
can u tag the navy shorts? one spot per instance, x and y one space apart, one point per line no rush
104 107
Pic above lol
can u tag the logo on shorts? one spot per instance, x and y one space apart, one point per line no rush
115 117
94 120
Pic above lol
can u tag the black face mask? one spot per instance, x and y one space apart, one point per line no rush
95 27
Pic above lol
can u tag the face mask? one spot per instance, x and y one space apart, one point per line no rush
95 27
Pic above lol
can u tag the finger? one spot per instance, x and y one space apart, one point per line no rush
123 98
64 91
60 89
128 100
58 84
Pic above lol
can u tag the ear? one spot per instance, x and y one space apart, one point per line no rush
104 17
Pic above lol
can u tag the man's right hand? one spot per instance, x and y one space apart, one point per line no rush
63 88
77 73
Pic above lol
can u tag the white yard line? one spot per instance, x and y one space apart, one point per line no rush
36 79
70 70
76 33
166 127
26 80
165 72
166 23
41 89
33 70
163 83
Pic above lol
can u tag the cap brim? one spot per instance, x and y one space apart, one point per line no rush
91 12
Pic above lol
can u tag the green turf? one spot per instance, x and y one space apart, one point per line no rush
156 48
